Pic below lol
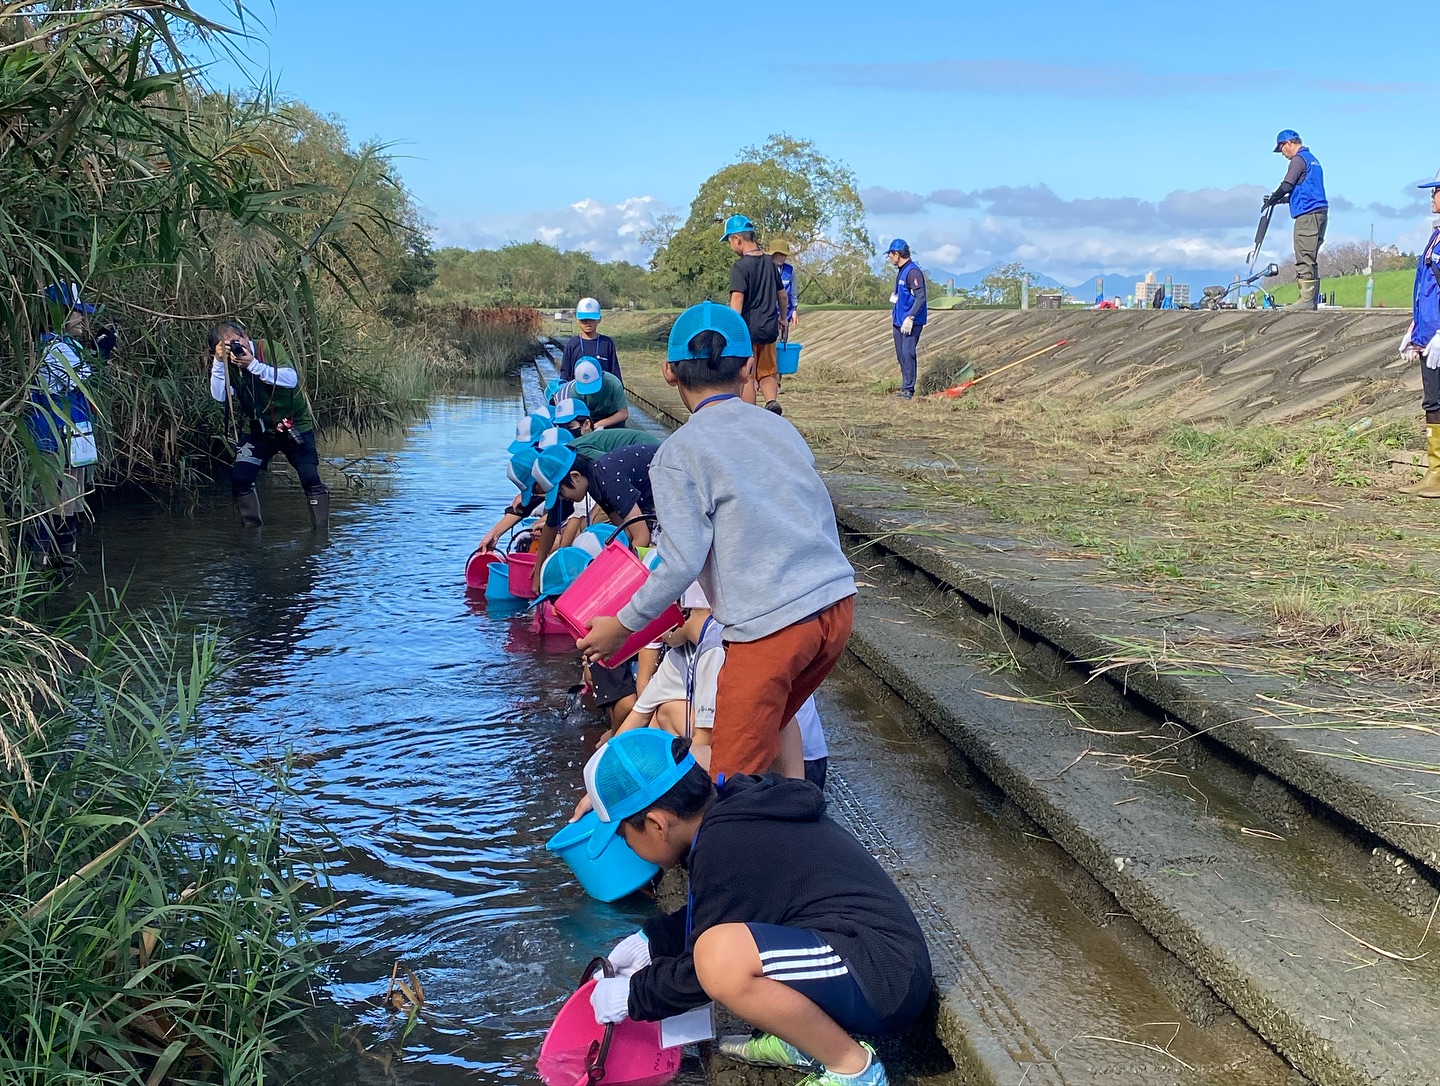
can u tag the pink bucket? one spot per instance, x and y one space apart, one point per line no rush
546 622
477 569
576 1042
522 570
603 588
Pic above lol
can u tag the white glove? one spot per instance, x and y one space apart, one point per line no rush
1431 353
611 1000
1405 339
631 954
907 326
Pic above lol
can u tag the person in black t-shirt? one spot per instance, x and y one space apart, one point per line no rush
757 293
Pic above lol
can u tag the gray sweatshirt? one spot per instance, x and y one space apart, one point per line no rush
742 511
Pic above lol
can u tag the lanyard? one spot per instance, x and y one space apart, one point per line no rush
713 399
691 666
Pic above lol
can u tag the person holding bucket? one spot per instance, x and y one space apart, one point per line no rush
744 512
791 924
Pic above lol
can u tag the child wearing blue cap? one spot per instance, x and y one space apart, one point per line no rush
589 343
791 924
744 512
601 392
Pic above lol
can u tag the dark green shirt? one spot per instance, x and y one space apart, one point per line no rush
597 443
609 400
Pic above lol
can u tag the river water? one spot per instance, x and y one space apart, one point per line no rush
432 734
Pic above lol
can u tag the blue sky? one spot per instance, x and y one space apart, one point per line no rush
1078 143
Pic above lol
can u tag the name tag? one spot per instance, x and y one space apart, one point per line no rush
689 1028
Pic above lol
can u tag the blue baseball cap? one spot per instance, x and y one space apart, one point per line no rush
737 224
899 245
1430 184
551 466
529 430
68 295
552 437
567 411
587 309
588 376
552 389
1285 135
560 570
519 471
594 539
627 775
709 317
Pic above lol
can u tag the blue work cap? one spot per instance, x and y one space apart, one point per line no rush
560 570
587 309
551 466
899 245
68 295
1285 136
522 464
593 539
709 317
1430 184
627 775
737 224
553 436
588 376
568 411
529 431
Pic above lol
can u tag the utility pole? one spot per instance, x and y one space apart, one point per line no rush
1370 270
1025 291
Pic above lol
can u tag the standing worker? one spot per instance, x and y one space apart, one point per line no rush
790 315
758 295
1304 190
909 315
589 343
270 401
1422 344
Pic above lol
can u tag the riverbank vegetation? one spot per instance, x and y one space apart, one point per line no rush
154 924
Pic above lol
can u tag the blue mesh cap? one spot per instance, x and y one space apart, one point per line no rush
567 411
551 466
1285 135
552 390
588 377
627 775
552 437
737 224
587 309
594 538
709 317
68 295
529 430
522 464
561 569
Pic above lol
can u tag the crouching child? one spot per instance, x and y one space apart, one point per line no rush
791 924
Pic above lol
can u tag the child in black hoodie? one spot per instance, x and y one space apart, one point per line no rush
791 923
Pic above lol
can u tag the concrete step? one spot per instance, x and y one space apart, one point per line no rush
1266 903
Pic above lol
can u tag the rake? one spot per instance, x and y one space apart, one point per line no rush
966 386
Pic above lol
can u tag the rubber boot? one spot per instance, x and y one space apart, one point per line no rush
1429 484
249 506
319 510
1309 296
66 533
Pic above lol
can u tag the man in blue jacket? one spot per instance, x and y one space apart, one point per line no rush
909 315
1421 343
1304 190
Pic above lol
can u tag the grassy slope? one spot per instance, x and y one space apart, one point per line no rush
1393 289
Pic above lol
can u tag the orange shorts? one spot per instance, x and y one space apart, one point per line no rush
763 684
765 361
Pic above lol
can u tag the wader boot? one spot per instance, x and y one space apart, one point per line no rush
66 535
1309 296
319 510
1429 484
249 506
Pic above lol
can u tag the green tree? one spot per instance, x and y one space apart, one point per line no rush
791 191
1002 285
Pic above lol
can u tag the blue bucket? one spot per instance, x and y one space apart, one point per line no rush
497 584
787 357
613 874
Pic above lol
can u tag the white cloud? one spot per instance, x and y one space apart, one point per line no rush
605 231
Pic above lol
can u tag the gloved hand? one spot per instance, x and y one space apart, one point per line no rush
631 954
610 1000
1411 353
907 326
1431 353
1268 200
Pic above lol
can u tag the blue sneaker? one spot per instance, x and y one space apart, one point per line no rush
873 1075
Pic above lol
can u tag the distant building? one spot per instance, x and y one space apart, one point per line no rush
1145 291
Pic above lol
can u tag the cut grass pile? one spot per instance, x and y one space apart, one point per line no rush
1297 529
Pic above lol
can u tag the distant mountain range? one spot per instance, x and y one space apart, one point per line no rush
1121 283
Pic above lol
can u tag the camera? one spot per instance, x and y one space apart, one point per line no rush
238 348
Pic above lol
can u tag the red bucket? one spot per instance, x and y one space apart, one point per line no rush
477 569
522 571
603 588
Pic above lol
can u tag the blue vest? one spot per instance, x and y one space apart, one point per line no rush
904 299
1309 195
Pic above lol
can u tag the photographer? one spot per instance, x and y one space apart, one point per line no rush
270 399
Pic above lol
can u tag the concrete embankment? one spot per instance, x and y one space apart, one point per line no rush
1281 857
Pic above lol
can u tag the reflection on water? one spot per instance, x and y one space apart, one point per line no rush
441 757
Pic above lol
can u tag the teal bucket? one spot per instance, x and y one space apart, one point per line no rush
613 874
787 358
497 584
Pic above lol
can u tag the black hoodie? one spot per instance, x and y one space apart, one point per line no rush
767 853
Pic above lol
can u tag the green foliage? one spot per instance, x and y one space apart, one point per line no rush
152 930
538 275
1394 289
793 194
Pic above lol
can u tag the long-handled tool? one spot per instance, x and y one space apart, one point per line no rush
1260 232
966 386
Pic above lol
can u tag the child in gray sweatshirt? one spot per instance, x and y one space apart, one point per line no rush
743 511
